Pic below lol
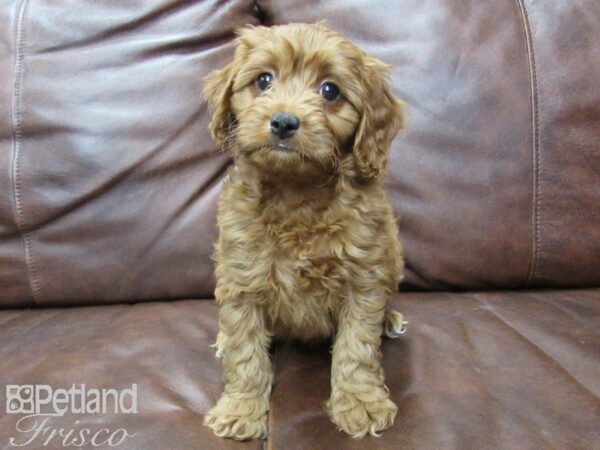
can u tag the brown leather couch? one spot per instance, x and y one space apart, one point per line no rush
108 183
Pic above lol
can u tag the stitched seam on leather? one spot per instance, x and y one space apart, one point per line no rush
535 215
268 445
34 284
260 13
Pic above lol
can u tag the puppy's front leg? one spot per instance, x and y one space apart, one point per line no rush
359 402
241 412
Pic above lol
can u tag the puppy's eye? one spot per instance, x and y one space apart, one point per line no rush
263 81
329 91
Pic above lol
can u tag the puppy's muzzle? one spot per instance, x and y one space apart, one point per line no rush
284 125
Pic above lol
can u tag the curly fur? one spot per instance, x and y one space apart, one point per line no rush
307 246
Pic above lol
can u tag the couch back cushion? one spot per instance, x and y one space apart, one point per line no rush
108 177
496 181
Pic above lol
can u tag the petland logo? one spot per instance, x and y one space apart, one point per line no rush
41 403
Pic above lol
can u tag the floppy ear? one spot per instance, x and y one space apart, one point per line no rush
218 86
381 120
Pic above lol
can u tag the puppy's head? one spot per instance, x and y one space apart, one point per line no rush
301 100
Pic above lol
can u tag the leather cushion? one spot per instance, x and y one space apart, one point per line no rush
474 370
162 347
108 177
496 180
492 370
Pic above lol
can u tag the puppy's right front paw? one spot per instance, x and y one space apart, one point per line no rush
239 419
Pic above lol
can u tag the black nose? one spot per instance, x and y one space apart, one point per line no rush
284 125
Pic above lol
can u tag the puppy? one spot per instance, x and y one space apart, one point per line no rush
307 246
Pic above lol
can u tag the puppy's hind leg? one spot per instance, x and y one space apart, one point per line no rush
220 344
394 323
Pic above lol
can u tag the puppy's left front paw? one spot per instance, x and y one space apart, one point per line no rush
359 418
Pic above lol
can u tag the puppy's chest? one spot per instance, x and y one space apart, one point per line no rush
306 277
304 258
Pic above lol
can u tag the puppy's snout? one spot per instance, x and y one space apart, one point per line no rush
284 125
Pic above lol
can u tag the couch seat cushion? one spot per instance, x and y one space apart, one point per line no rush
162 347
479 371
475 370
